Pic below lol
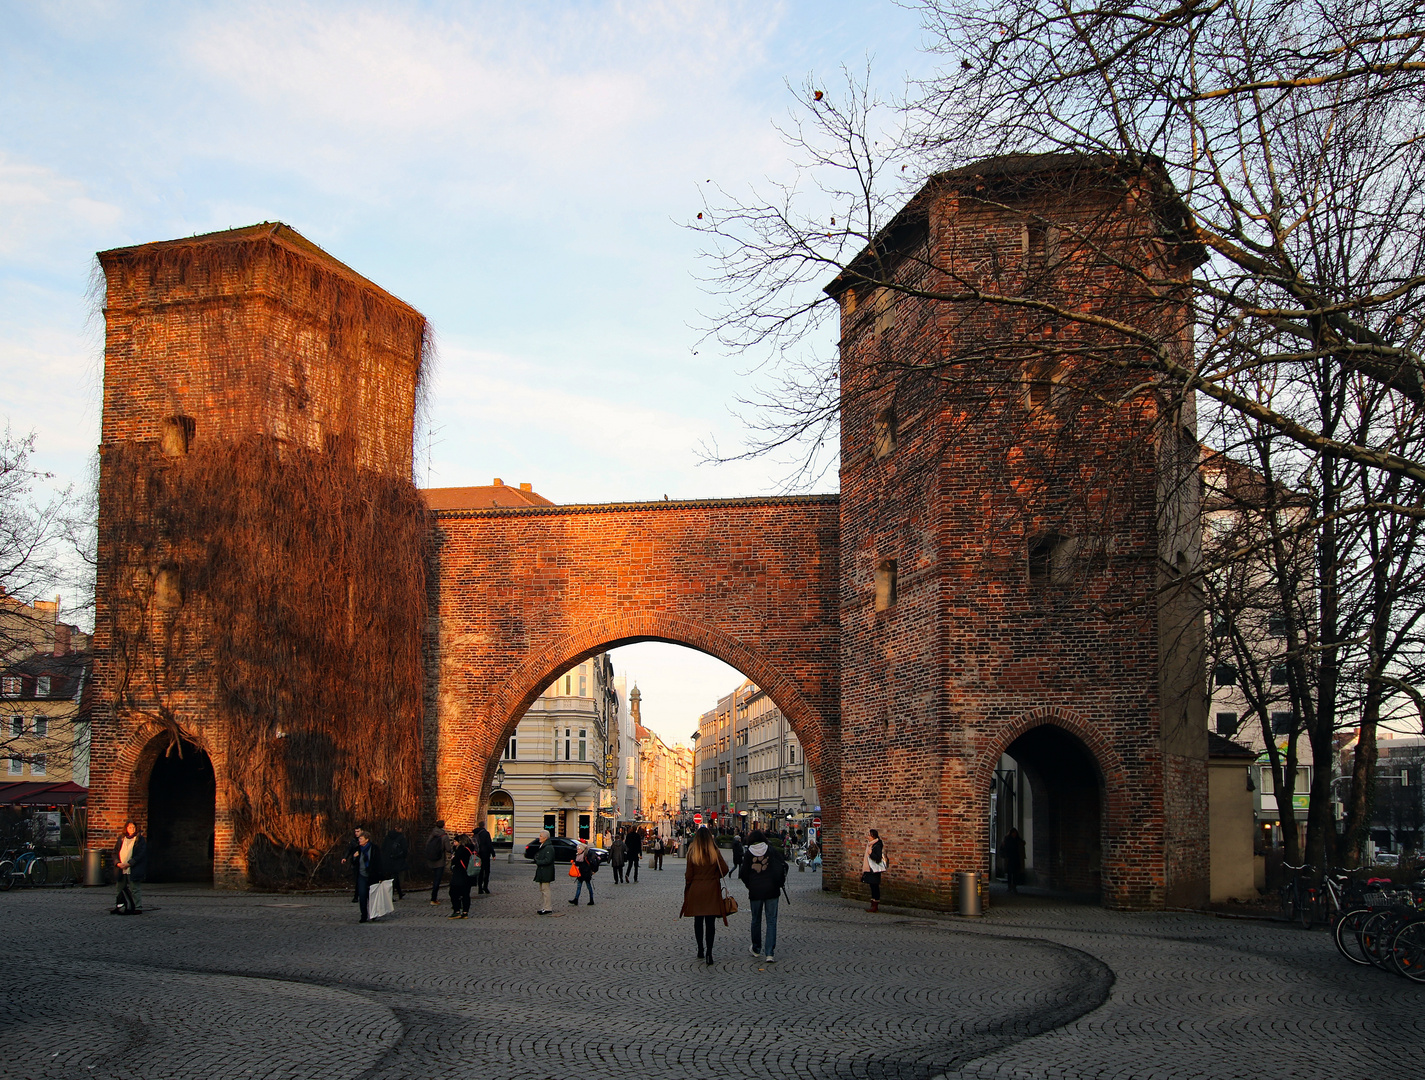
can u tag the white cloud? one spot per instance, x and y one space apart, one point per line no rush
43 213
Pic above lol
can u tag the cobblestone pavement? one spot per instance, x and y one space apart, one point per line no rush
219 985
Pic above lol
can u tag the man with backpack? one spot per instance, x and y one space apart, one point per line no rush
764 871
437 844
130 865
394 852
485 849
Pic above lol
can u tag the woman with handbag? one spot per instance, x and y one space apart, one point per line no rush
873 864
584 866
702 890
462 877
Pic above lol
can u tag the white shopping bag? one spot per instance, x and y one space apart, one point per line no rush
378 901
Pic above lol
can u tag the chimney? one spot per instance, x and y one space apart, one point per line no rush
499 482
526 487
63 643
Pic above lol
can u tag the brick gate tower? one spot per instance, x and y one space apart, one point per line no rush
1017 513
261 588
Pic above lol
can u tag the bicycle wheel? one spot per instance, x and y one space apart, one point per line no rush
1407 950
7 875
1348 935
37 872
1376 934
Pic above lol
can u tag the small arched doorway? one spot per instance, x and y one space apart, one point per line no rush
500 819
1048 785
181 797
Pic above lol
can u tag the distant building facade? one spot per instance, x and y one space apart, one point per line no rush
559 765
44 721
750 766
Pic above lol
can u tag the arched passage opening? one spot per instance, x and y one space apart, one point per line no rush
1049 787
182 793
605 736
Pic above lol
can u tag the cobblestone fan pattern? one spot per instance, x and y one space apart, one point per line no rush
219 985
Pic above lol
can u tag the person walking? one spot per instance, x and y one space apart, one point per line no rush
544 871
658 848
632 852
437 844
873 864
352 849
764 871
395 853
616 857
1012 846
702 890
130 867
736 851
368 869
586 861
462 876
484 851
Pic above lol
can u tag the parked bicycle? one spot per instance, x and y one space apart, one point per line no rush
32 867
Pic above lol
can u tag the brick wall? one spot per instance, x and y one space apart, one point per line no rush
519 595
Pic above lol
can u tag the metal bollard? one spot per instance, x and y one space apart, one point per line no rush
93 867
967 883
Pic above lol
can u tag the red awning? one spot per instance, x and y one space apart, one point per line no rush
36 793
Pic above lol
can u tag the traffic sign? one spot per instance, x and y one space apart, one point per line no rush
816 821
697 819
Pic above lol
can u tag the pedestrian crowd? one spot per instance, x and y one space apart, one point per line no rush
759 862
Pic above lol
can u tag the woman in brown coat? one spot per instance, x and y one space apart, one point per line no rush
702 890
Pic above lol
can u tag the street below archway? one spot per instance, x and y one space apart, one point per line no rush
220 985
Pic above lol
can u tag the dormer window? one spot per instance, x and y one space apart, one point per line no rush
10 687
42 686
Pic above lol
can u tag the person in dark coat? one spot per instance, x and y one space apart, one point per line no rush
657 851
394 854
484 851
352 848
1012 847
873 864
437 844
616 857
632 852
462 876
130 867
736 852
764 871
702 890
368 869
544 871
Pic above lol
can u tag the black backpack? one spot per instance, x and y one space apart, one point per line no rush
435 848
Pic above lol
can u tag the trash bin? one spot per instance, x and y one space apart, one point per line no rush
967 883
93 867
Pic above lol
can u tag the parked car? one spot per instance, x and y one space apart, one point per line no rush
564 850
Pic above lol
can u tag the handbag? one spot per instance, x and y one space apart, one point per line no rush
729 905
573 870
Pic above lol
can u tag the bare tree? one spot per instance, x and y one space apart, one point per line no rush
1278 144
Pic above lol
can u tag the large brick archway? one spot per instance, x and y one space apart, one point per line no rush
519 595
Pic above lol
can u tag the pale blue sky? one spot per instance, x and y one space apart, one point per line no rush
518 172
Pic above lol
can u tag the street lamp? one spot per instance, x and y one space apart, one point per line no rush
499 778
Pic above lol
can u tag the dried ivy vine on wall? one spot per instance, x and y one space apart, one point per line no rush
274 597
